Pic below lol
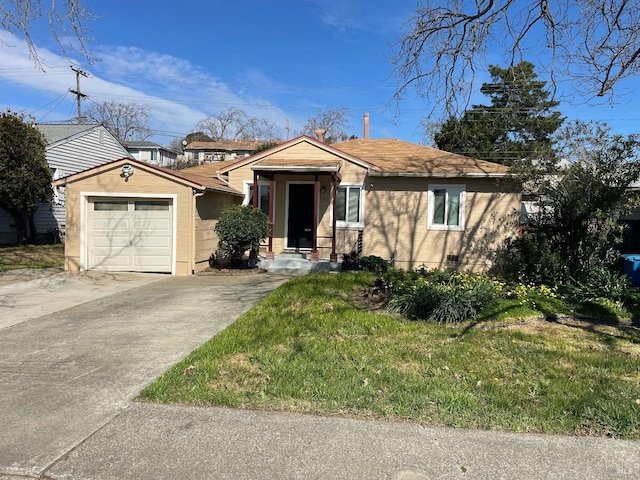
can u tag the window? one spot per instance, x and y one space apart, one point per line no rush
110 205
153 156
446 207
349 205
151 205
263 199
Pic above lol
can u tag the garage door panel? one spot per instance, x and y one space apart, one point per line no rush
111 225
111 262
110 242
138 238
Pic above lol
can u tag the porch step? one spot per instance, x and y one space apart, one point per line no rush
298 264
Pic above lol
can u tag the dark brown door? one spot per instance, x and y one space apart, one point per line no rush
300 224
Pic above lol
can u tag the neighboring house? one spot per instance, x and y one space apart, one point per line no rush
128 215
204 152
415 204
69 148
631 222
151 152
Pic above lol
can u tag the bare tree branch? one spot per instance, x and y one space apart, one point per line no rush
17 17
235 124
125 121
594 44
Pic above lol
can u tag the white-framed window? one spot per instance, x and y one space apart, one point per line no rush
263 198
349 206
153 156
446 207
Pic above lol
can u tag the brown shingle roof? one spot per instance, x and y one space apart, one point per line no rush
396 157
212 183
208 169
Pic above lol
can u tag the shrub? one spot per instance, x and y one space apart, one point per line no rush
530 259
601 286
374 264
443 296
239 229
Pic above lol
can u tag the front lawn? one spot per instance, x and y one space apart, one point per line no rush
312 347
31 256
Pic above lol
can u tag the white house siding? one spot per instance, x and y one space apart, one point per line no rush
74 154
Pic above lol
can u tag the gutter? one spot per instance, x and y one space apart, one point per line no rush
441 175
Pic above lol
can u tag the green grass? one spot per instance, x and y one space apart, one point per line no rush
307 348
31 256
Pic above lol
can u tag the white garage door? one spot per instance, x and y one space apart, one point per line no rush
130 235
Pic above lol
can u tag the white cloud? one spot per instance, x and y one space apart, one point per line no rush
177 92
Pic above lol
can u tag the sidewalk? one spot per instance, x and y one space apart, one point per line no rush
148 441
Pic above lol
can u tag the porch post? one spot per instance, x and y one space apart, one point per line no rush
270 255
334 208
316 193
255 190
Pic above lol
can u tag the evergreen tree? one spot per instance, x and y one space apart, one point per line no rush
25 178
517 126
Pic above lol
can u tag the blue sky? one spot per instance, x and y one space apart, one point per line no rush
276 59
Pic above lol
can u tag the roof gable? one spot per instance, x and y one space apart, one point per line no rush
300 153
199 182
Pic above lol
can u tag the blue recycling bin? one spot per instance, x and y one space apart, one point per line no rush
632 268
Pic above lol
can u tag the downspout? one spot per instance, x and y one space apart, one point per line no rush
270 254
195 195
334 209
314 245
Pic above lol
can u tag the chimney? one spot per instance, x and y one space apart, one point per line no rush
366 126
320 135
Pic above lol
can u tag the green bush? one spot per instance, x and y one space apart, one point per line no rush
239 229
375 264
530 259
442 296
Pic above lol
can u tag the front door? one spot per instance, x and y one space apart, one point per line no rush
300 222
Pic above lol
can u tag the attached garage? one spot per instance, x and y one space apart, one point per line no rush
130 234
135 217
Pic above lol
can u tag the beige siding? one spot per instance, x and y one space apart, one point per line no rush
141 183
350 173
207 213
396 223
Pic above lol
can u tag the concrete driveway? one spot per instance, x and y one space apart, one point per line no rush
67 372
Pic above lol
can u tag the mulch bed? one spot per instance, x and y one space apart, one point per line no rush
230 272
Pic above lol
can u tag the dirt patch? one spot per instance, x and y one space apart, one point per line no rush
229 272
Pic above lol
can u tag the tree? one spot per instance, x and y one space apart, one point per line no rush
125 121
235 124
575 231
593 44
25 178
518 124
335 120
17 16
198 137
241 228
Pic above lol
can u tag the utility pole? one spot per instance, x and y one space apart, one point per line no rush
79 95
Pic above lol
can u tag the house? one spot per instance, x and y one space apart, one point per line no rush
394 199
128 215
390 198
631 221
69 148
203 152
151 152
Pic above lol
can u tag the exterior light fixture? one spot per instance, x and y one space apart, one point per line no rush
127 171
